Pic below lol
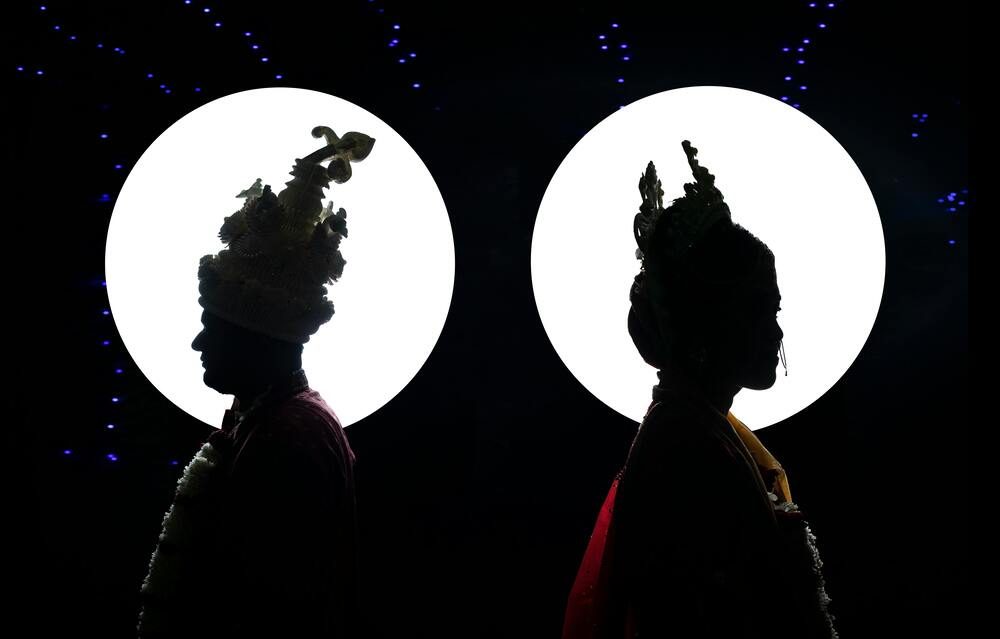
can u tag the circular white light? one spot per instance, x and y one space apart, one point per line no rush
786 180
396 289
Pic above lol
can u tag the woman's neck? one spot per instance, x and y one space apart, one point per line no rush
718 394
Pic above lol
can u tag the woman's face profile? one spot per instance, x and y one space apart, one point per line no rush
761 341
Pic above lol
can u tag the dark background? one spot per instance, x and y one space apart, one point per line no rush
478 484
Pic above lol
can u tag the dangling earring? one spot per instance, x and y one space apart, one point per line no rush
781 352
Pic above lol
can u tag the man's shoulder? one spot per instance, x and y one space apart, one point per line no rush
307 409
303 427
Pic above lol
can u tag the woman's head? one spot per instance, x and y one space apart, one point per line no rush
711 313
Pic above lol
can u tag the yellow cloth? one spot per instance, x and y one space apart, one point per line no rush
763 457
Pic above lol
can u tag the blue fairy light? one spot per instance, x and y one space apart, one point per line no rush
39 72
623 46
416 85
111 426
914 135
67 452
614 25
602 37
626 58
106 343
119 371
105 312
604 47
621 80
114 400
788 78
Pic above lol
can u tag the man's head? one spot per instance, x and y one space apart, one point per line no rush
240 361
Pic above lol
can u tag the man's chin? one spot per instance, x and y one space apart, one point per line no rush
212 383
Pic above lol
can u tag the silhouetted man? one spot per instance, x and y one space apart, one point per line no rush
261 539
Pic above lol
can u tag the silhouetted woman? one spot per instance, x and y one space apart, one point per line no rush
698 536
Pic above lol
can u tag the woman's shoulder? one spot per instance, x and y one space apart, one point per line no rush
678 415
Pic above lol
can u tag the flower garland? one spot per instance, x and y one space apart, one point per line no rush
788 511
164 582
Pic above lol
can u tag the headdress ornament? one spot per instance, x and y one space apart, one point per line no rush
687 219
283 249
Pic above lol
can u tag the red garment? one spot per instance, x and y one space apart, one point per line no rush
595 609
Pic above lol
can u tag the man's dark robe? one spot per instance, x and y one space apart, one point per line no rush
277 532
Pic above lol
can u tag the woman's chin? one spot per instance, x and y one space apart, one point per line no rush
762 381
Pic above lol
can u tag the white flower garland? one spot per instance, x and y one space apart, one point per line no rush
817 562
179 531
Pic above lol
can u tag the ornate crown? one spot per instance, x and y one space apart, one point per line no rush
687 219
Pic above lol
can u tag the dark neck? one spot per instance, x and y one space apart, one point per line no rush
718 394
256 388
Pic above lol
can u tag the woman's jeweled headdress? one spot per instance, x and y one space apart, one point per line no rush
687 219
